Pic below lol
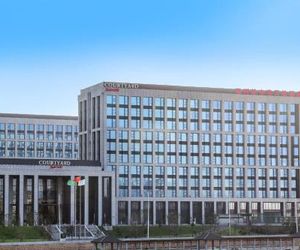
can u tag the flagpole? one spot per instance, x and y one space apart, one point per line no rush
229 216
296 214
80 183
79 212
75 219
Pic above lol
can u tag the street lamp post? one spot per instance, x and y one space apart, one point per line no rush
148 215
229 219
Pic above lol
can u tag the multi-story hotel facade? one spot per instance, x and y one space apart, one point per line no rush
38 136
191 153
38 158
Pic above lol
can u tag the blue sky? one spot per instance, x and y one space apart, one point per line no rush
51 49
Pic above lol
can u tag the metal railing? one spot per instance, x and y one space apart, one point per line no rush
54 232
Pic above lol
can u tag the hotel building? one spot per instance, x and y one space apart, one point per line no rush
38 136
190 153
38 156
36 192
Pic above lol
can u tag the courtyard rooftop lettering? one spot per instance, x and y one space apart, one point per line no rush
121 85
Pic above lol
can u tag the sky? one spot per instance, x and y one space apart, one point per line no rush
50 49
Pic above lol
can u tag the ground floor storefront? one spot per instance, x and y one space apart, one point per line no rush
36 192
42 192
209 211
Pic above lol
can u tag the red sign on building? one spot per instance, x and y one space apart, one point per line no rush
267 92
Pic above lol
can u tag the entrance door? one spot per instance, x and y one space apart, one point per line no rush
48 213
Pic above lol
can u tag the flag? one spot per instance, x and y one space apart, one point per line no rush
81 182
77 179
71 183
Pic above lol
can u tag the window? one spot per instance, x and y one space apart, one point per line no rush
272 107
239 106
182 103
282 108
147 101
59 133
216 104
228 105
123 100
159 102
11 131
194 104
205 104
21 131
111 99
171 102
135 100
250 106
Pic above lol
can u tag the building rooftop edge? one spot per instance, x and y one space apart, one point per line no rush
162 86
36 116
174 87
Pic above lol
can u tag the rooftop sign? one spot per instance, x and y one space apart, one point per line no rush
115 87
267 92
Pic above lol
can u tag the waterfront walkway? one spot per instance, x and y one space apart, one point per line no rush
254 242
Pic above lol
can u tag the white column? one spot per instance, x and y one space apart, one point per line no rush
21 200
100 200
86 201
203 212
167 212
191 212
261 210
227 206
6 200
284 209
36 199
249 207
129 212
256 182
143 212
179 212
154 212
114 205
72 203
215 207
59 199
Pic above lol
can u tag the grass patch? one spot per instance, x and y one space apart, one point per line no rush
191 231
158 231
22 234
257 230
